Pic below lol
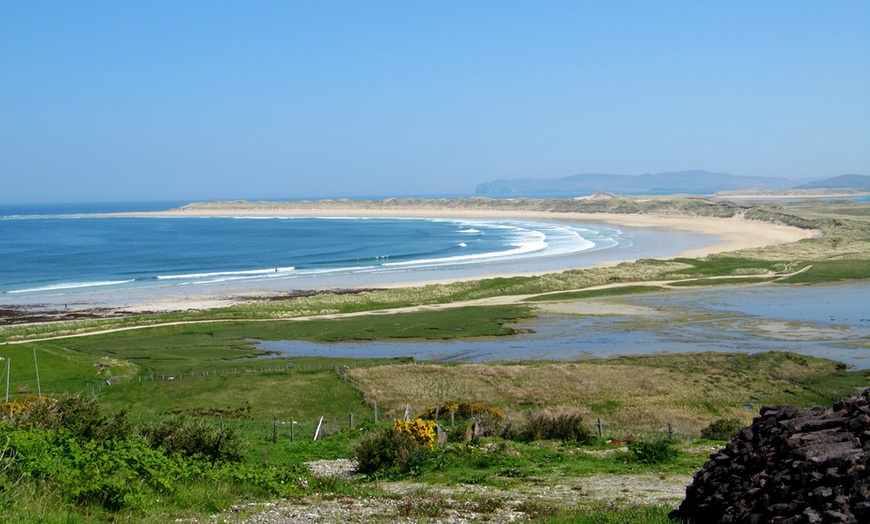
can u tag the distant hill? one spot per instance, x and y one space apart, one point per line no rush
695 182
859 182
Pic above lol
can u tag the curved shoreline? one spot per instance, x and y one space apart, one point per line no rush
731 234
735 233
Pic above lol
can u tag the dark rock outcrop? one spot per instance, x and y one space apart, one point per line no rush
792 465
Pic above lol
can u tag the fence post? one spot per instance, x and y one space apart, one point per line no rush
376 411
292 423
599 428
350 421
407 416
317 431
36 365
274 430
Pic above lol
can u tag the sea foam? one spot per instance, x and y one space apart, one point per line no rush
250 272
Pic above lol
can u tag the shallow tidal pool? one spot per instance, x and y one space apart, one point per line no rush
830 321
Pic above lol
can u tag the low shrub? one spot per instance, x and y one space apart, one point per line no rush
384 450
195 439
653 452
66 445
112 474
565 426
721 429
120 474
285 481
461 411
77 415
389 451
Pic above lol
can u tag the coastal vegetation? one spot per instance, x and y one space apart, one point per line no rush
101 428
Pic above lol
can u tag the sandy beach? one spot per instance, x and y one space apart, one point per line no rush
733 233
692 237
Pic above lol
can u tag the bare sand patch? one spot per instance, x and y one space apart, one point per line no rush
795 331
605 308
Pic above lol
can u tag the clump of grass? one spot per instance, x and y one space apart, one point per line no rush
538 509
566 426
423 505
659 451
721 429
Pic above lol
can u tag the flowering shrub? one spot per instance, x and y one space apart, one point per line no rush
461 411
422 432
24 406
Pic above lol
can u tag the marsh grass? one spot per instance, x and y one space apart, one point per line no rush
640 393
831 271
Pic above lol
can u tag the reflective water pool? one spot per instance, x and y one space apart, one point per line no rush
830 321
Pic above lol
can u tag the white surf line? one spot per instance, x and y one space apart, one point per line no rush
488 301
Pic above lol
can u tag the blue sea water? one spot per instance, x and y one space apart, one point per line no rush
59 250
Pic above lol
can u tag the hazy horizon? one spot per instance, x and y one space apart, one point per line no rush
191 101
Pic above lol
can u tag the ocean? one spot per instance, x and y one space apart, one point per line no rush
58 251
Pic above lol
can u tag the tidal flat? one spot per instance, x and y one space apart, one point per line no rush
822 321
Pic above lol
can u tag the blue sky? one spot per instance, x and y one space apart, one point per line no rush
199 100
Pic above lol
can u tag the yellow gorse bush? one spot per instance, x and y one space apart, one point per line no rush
462 410
422 432
24 404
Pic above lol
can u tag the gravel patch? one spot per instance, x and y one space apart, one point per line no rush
410 502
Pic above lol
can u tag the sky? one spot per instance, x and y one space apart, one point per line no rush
201 100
